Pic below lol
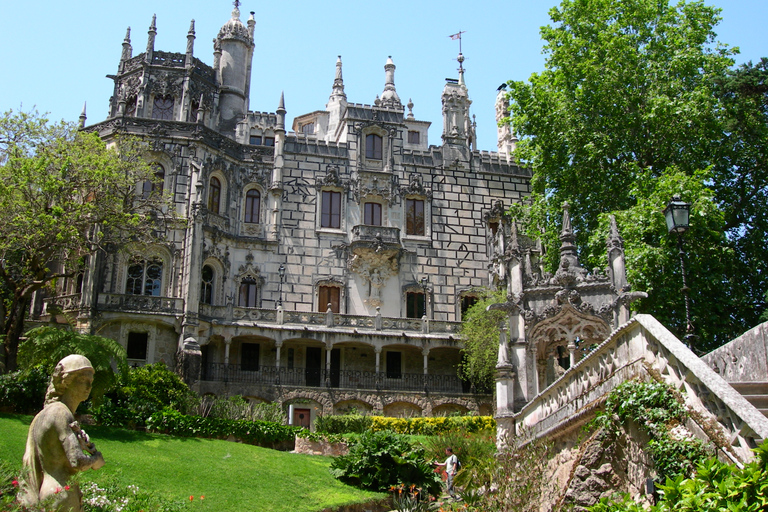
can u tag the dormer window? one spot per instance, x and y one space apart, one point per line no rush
373 146
414 137
308 129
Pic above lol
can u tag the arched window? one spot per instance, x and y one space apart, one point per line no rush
206 285
145 277
252 206
214 195
162 108
372 214
373 146
154 185
248 293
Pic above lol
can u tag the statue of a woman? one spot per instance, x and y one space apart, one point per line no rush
56 446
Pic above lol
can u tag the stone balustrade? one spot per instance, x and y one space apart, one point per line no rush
643 348
147 304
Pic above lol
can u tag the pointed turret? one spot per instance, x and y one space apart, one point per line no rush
336 106
389 98
506 140
190 44
151 33
83 117
127 48
457 125
235 43
338 82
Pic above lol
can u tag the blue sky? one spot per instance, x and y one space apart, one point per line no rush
55 55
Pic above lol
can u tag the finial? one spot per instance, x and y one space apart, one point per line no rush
153 26
83 117
281 105
191 28
236 10
410 108
127 36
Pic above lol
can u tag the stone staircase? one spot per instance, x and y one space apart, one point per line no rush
756 393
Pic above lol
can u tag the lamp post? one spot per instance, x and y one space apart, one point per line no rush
424 283
677 215
281 273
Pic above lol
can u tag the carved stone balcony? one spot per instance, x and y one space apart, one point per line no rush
146 304
377 238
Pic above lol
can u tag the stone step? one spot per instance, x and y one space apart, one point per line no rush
750 388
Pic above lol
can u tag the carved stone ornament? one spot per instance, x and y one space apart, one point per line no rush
416 187
376 268
375 184
569 324
332 178
249 270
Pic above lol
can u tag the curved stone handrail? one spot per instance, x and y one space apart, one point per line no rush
644 348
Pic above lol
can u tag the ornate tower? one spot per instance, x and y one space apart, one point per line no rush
458 130
233 57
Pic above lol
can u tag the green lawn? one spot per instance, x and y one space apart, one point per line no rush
232 477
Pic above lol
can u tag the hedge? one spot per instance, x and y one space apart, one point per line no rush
261 433
343 424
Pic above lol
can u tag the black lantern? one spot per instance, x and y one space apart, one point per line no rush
677 213
281 273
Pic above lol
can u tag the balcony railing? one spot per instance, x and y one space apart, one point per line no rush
365 233
322 378
140 303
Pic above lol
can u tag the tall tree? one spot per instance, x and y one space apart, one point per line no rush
64 195
626 114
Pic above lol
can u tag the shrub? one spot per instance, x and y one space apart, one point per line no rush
380 460
24 391
433 426
262 433
238 408
343 424
471 449
142 392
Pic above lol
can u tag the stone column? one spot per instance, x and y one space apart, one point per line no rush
278 346
572 351
425 353
377 351
227 344
505 378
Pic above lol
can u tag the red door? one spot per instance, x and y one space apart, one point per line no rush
301 417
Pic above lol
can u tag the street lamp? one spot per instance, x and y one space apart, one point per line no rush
281 273
424 283
677 215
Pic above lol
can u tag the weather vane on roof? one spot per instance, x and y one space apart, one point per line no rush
236 3
454 37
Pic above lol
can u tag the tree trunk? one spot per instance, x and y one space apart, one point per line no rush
14 328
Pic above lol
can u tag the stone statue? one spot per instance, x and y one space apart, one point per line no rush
56 446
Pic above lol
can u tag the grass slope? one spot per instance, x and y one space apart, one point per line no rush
232 477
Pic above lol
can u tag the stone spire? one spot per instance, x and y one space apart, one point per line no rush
151 38
83 117
190 44
338 82
457 124
506 140
389 98
280 125
127 48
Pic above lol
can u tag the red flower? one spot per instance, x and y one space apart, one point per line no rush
202 497
191 498
66 487
15 483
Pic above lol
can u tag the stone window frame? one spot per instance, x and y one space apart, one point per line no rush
219 278
460 301
378 200
414 134
166 109
260 211
342 210
129 256
427 217
415 288
156 186
138 327
222 193
377 164
330 283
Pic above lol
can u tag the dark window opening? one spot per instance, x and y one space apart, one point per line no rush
252 206
414 217
329 295
372 214
414 137
373 146
331 210
255 140
248 294
291 356
130 106
467 301
414 305
214 195
137 345
269 141
494 227
249 357
394 365
308 129
206 291
155 185
145 277
162 108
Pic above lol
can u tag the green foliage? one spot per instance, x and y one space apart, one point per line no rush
64 196
261 433
480 334
343 423
24 391
380 460
637 102
112 496
48 345
714 487
471 449
140 393
412 499
656 409
431 426
238 408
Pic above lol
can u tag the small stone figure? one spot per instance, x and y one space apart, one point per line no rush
57 447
